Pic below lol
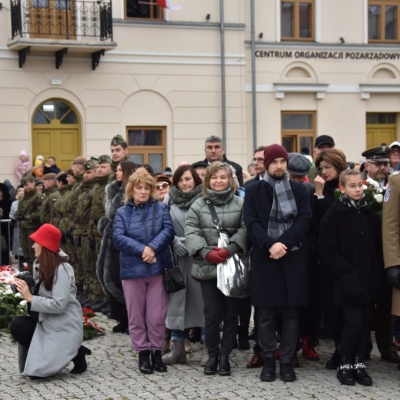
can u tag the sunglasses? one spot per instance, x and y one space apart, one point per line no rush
163 185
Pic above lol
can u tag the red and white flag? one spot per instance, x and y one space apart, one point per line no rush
167 4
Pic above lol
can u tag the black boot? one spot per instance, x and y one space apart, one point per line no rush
144 362
360 374
345 372
211 366
269 370
334 362
157 362
243 333
121 327
79 360
224 366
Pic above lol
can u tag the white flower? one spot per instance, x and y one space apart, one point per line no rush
8 291
17 294
23 303
378 197
365 187
373 183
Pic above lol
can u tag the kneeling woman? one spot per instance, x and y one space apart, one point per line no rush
51 335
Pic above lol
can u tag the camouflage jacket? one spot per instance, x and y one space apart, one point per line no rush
98 202
57 215
46 210
29 207
84 208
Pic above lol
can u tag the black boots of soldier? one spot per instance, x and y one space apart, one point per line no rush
79 360
156 364
349 373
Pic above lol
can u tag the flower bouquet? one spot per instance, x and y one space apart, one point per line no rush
374 194
11 304
90 328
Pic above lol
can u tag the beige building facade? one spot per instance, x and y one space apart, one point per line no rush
254 72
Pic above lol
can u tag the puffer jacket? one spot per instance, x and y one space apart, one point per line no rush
201 234
133 231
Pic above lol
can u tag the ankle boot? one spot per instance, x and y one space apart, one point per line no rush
333 363
79 360
345 372
177 355
360 374
268 372
307 349
211 366
204 357
157 362
121 327
145 366
243 333
224 365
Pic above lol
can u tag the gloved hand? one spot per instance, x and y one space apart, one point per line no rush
214 258
92 243
393 276
179 247
19 217
222 252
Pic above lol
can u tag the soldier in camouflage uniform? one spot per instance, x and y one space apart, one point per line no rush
81 233
63 188
67 208
51 194
104 172
119 152
28 217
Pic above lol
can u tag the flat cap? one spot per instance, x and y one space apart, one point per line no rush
49 176
118 139
200 164
79 160
298 164
379 153
90 164
104 159
324 139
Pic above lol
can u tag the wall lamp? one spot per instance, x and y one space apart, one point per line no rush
208 16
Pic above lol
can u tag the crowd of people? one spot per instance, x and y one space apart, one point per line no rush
315 244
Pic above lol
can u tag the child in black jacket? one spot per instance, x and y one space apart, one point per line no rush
351 250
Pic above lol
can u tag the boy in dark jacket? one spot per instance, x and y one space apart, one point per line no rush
351 250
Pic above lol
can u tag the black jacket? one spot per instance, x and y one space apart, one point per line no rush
351 251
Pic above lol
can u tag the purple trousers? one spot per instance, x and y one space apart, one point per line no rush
146 302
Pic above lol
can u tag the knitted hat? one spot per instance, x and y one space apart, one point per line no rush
23 153
48 236
272 152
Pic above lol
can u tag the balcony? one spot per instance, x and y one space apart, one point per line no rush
60 27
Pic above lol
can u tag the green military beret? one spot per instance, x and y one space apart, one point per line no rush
90 164
118 139
104 159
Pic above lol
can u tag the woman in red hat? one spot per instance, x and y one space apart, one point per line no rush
51 335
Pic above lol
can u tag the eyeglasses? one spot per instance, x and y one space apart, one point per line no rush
163 185
327 167
384 164
258 159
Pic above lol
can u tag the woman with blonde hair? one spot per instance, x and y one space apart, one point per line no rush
142 234
201 233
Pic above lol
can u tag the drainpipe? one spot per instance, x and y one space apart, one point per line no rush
253 76
223 88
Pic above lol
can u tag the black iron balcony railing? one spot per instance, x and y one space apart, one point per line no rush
62 19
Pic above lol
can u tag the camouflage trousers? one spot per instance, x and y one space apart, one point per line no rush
26 244
75 253
90 251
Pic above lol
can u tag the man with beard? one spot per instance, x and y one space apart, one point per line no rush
277 215
376 165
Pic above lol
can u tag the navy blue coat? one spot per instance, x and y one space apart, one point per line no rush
283 282
133 231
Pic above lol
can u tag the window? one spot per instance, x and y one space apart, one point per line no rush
297 20
383 21
139 9
298 130
146 145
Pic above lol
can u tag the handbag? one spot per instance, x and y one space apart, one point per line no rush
233 275
172 277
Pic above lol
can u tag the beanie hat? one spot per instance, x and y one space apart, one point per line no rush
23 153
272 152
48 236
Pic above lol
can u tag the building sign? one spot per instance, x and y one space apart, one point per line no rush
327 55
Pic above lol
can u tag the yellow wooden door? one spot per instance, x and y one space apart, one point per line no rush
53 19
378 135
62 143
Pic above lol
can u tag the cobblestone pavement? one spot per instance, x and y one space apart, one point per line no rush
113 374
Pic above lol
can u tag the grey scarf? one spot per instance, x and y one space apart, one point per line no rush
284 209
